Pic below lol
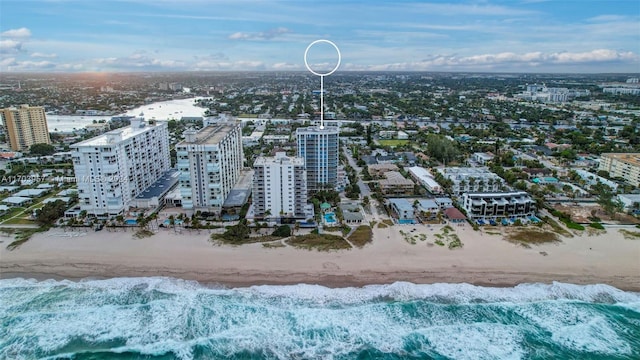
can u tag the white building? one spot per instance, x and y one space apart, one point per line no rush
491 206
424 177
472 179
210 162
631 202
113 168
279 186
482 158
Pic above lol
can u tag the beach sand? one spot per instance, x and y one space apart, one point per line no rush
486 259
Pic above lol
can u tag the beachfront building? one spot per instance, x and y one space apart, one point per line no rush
402 210
279 187
112 169
469 179
396 184
506 205
625 166
209 161
25 126
319 149
424 178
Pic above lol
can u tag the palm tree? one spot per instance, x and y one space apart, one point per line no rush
187 221
172 222
472 182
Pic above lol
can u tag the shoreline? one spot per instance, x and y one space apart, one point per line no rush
484 260
495 280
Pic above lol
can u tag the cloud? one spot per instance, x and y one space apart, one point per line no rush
42 55
286 66
507 60
10 46
138 61
241 65
264 35
21 33
12 64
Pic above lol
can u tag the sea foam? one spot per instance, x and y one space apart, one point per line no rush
163 316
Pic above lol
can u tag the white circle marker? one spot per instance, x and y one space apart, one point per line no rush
321 74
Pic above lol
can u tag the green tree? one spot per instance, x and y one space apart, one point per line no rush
50 212
42 149
282 231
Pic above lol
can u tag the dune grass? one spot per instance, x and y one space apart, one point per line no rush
361 236
320 242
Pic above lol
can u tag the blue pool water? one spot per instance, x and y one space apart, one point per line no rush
330 218
176 221
131 221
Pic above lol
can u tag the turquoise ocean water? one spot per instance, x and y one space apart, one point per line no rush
163 318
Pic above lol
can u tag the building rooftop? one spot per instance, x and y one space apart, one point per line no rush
280 158
402 204
210 135
138 126
161 186
629 158
317 130
395 178
239 195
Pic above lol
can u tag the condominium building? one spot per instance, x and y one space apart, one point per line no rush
625 166
319 149
396 184
209 161
491 206
472 179
25 125
113 168
424 178
279 187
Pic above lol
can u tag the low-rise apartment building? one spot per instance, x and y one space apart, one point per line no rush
491 206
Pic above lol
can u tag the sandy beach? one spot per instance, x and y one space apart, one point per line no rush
486 259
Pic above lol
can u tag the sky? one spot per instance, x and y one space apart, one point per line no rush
540 36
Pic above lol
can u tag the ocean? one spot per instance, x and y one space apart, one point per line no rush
165 318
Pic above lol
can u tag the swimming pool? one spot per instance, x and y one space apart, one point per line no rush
330 218
131 221
176 222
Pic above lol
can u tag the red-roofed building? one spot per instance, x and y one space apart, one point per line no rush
454 215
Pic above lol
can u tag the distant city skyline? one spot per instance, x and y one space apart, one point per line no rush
197 35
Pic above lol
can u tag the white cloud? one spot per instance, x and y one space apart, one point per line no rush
241 65
263 35
10 46
286 66
138 61
21 33
508 60
7 62
43 55
12 65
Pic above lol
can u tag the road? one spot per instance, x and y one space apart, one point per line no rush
364 188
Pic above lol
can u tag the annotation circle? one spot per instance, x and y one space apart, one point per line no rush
309 67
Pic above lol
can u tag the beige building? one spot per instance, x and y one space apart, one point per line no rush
25 125
210 161
378 170
626 166
396 184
